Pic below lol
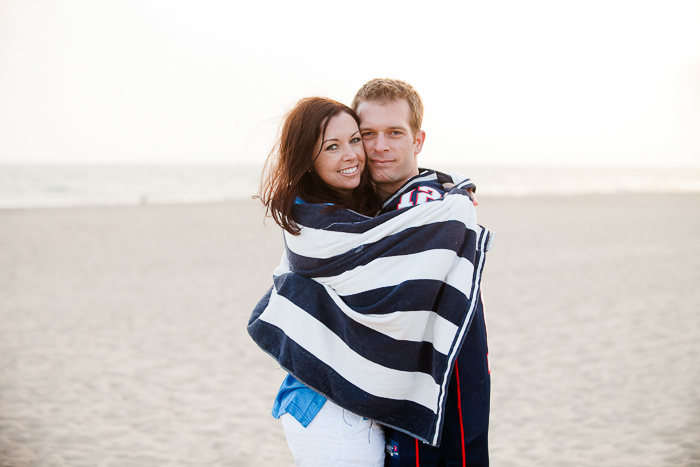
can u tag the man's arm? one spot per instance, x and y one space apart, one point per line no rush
450 180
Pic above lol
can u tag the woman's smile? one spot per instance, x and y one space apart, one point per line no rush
350 170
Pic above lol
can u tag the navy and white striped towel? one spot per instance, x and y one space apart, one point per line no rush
371 312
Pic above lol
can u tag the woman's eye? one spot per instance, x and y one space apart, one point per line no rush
355 140
332 147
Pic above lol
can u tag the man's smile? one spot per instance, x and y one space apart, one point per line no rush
380 162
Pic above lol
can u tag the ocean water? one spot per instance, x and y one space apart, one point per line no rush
33 186
29 186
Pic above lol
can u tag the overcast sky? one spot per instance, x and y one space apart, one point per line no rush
514 83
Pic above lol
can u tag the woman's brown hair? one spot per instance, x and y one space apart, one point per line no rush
288 175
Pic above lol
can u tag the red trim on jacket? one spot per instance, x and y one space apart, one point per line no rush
461 422
417 455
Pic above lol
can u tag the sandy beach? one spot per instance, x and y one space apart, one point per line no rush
123 334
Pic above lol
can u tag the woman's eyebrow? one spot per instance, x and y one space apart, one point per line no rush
338 139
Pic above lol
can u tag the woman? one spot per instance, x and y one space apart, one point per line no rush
319 158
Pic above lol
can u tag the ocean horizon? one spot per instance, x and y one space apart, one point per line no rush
53 186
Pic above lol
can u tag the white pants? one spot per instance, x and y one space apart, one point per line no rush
335 437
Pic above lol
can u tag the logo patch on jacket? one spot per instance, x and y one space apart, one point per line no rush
392 449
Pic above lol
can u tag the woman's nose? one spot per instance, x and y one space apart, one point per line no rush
349 154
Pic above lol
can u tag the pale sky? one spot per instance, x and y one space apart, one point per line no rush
505 83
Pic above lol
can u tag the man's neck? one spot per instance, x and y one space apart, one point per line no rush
384 190
387 189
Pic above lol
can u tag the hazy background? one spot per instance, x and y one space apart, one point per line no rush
122 329
506 83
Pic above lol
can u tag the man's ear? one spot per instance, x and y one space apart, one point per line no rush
420 139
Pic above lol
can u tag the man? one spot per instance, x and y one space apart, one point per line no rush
391 114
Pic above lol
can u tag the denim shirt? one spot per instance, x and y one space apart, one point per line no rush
298 401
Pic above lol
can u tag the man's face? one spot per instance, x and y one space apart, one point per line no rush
392 149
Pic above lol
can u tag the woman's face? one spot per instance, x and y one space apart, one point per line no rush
342 157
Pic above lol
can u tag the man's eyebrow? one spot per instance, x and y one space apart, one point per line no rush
392 127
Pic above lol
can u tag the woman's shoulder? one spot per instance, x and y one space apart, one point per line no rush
298 200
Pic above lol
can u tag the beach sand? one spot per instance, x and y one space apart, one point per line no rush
123 340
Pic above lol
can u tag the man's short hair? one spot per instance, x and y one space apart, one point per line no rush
388 90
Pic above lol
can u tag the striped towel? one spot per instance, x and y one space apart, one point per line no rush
371 312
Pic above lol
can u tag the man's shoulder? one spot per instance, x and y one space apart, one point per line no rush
424 187
419 189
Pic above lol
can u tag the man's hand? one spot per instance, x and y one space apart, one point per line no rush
472 195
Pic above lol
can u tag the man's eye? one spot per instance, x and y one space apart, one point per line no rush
396 133
332 147
367 134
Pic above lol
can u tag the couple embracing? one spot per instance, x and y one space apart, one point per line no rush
375 310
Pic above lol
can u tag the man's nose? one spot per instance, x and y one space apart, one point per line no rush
381 143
